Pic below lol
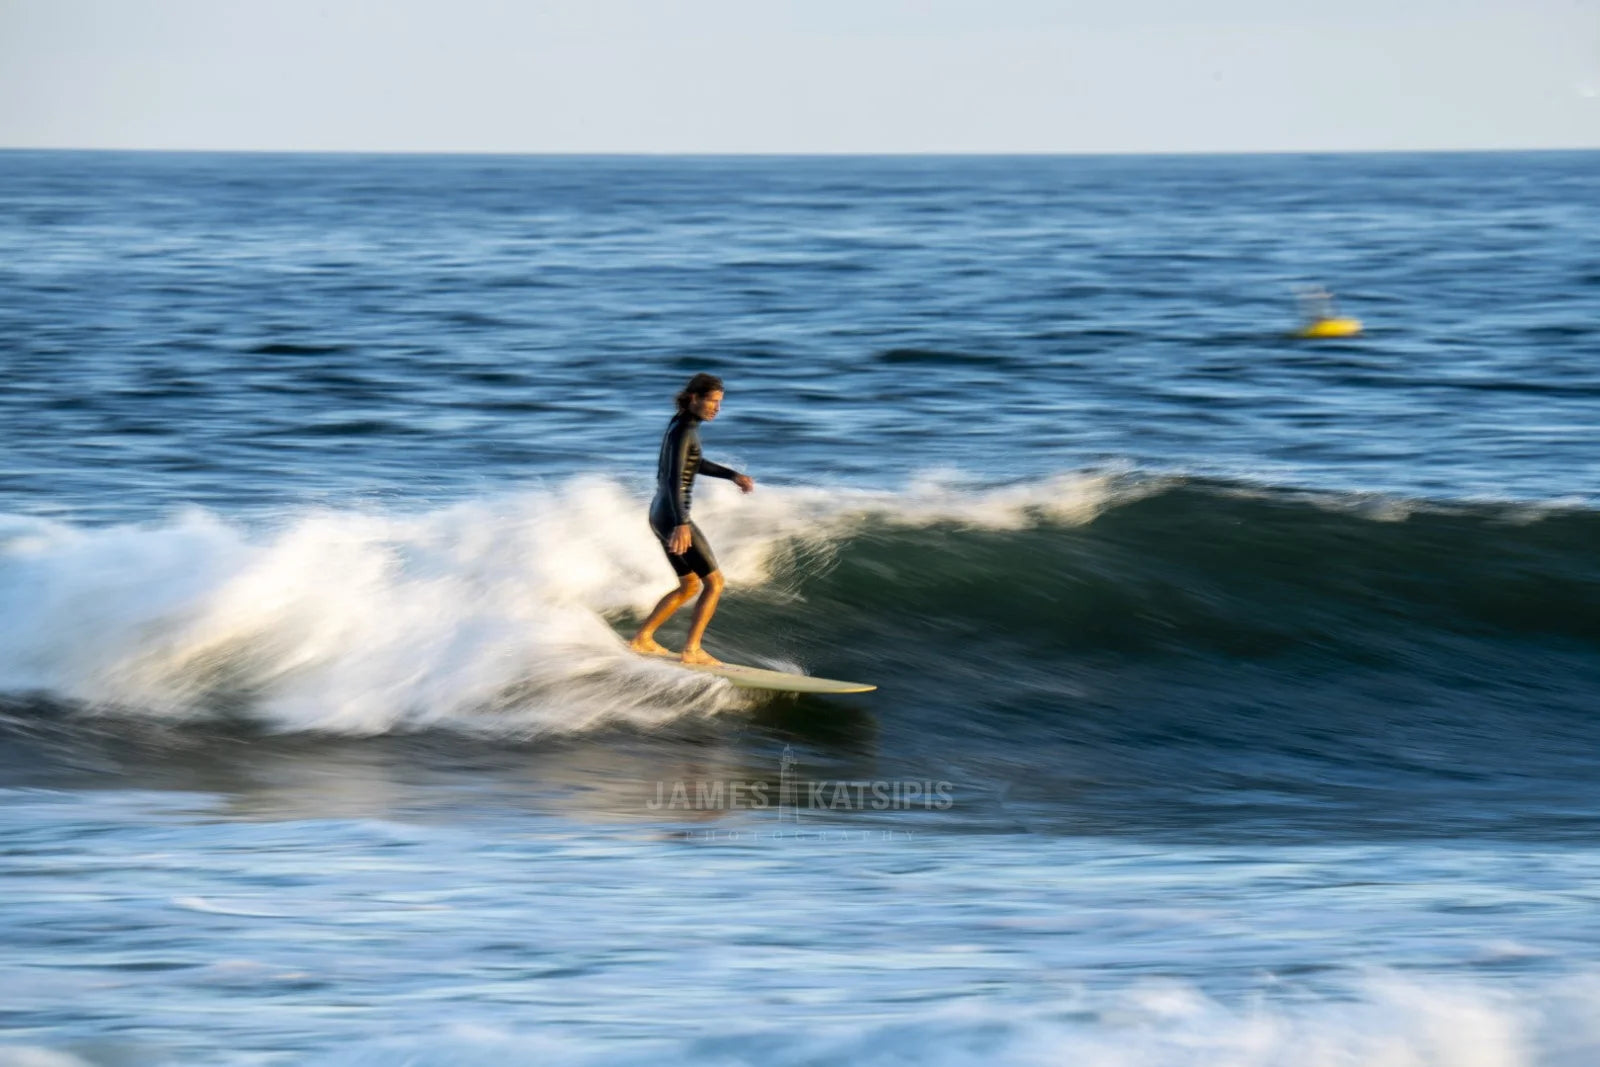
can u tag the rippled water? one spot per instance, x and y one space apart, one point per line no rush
232 330
1237 693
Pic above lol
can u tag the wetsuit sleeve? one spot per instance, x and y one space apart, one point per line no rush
717 470
678 492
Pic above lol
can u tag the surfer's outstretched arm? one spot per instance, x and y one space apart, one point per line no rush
745 483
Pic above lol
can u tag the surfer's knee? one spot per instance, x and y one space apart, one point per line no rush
714 580
689 584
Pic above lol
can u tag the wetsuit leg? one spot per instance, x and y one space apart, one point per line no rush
698 560
701 559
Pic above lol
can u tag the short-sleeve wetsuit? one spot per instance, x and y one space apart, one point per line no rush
679 462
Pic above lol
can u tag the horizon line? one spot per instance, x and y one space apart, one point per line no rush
702 154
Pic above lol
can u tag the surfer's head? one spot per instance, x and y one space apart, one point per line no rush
702 397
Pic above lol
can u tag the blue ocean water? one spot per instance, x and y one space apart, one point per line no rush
1237 692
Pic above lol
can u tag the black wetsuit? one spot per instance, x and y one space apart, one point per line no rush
675 470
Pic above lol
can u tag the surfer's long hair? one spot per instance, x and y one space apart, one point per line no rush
699 385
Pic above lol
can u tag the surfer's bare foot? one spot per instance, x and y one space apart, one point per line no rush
648 645
700 656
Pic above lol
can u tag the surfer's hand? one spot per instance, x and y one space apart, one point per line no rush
745 483
680 541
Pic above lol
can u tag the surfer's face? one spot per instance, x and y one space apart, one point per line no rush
706 405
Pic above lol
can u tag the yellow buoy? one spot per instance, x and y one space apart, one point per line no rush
1321 318
1331 328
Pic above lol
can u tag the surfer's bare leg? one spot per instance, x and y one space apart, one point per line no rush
645 639
707 606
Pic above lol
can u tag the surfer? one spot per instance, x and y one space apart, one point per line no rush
687 548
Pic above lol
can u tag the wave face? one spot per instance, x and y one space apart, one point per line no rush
503 614
1191 568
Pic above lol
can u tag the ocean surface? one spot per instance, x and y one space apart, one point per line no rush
1239 695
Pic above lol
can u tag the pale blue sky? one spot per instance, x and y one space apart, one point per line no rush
800 75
